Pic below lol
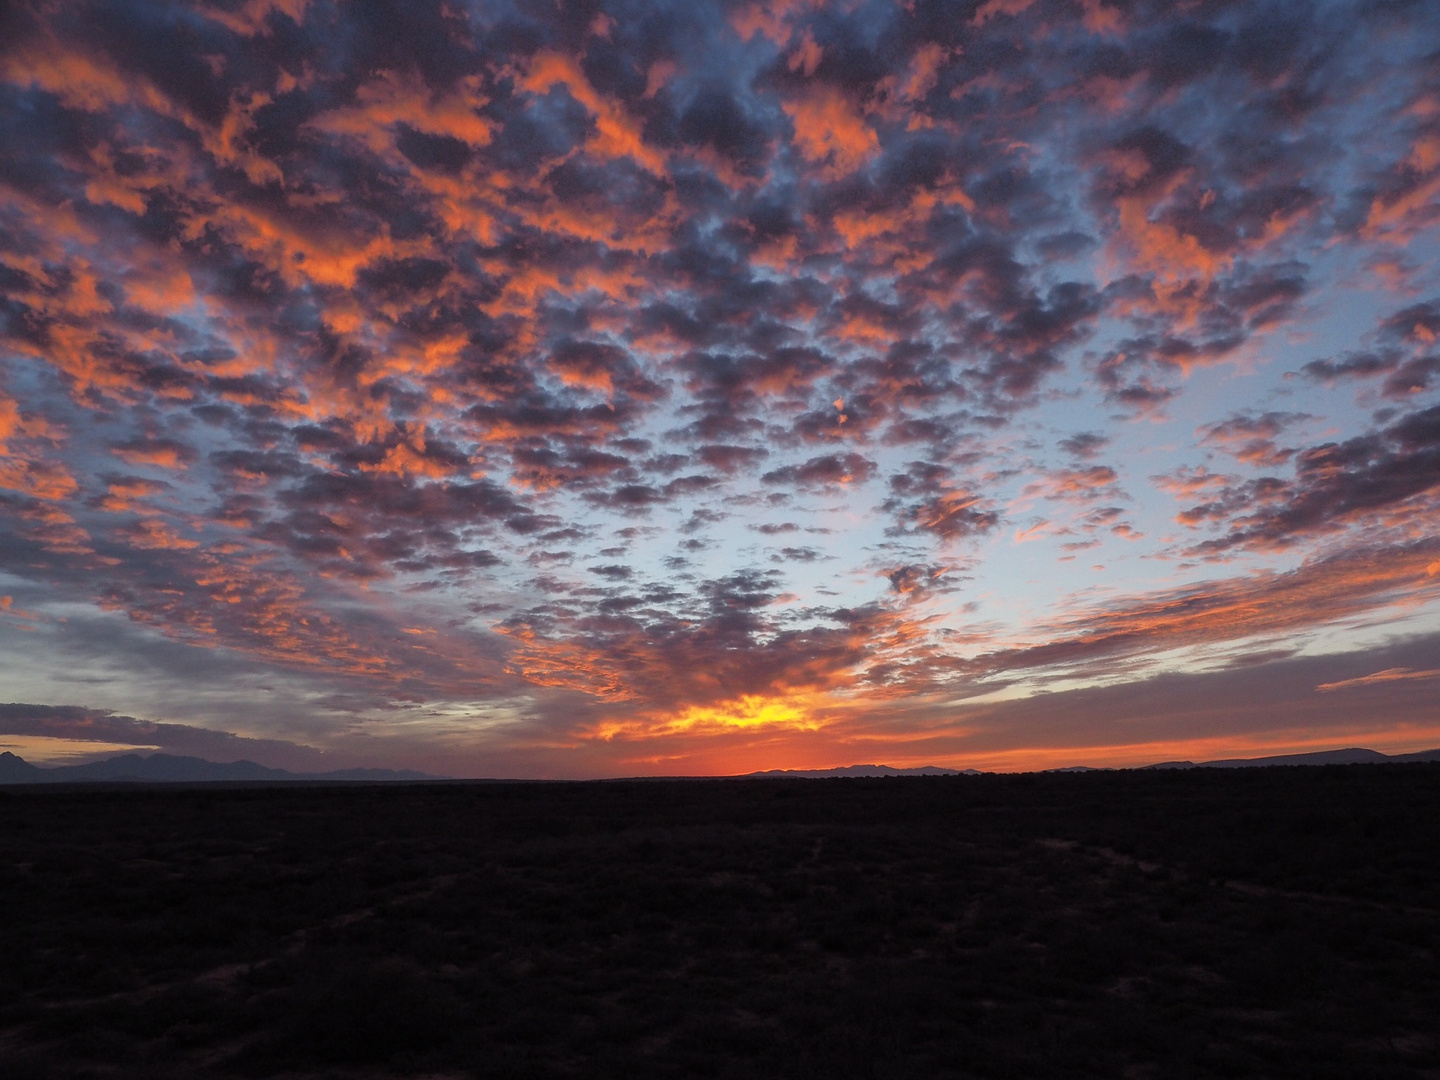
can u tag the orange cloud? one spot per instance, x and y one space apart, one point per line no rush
807 55
616 135
250 19
1189 483
1399 217
81 82
1073 485
408 457
924 71
391 98
1035 532
88 82
250 603
659 73
1388 675
771 18
27 467
829 132
125 495
155 534
55 530
162 455
1179 266
1100 18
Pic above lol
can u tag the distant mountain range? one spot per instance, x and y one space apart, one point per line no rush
1354 755
167 768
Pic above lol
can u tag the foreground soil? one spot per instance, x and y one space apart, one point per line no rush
1255 922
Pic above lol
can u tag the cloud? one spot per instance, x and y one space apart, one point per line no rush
826 471
1319 592
1388 675
1085 444
1384 475
78 724
1243 710
1405 353
927 496
1251 439
680 356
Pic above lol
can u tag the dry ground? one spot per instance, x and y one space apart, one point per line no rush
1257 922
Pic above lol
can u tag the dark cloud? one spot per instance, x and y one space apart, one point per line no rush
1084 444
825 471
613 571
1406 354
1251 439
927 496
1335 485
731 458
797 554
713 118
85 725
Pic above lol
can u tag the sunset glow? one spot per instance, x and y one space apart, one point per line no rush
598 388
749 711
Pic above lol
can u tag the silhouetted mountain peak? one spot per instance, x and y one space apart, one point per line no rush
15 768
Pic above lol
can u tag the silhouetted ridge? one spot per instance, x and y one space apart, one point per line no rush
866 770
15 769
1353 755
1419 755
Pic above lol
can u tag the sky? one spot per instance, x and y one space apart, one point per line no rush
576 389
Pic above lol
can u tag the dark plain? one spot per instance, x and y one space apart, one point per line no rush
1274 922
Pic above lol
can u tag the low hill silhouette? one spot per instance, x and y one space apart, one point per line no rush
863 770
1353 755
